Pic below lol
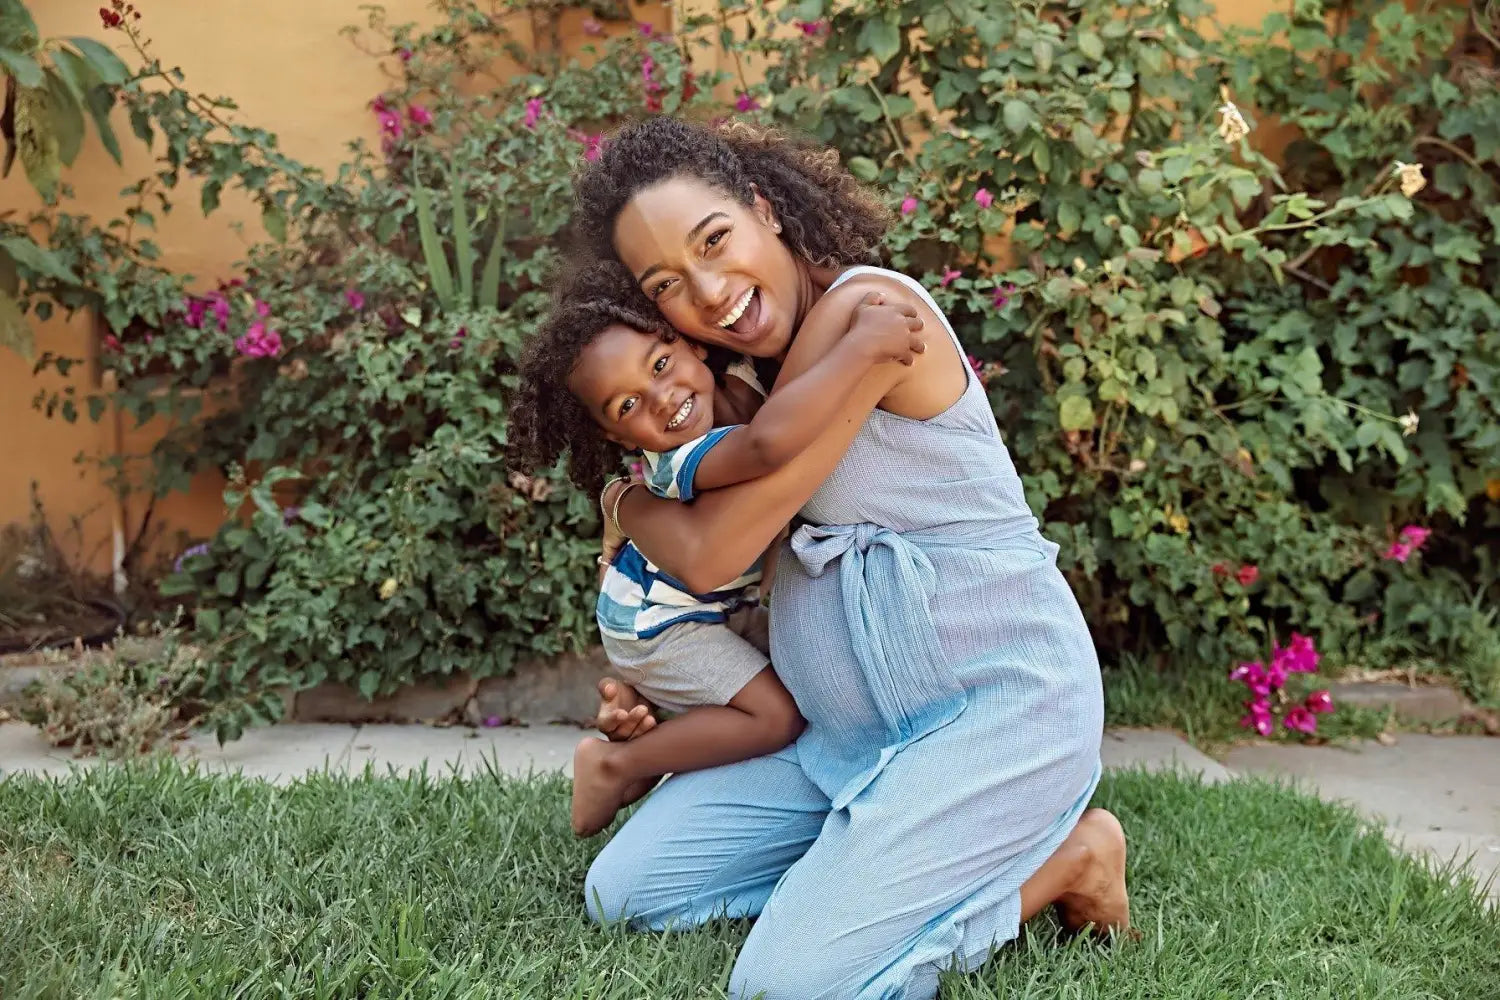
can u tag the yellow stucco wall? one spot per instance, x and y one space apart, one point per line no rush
291 72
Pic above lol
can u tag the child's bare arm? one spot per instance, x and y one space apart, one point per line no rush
794 415
761 719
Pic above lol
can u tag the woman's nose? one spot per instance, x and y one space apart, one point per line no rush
711 292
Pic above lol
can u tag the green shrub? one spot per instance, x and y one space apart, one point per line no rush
1203 363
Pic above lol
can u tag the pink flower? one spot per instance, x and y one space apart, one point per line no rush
637 470
196 309
1399 551
1247 574
1219 569
1300 719
458 338
259 342
378 105
533 112
812 28
262 309
390 123
1299 657
220 306
112 344
1002 296
984 198
1415 535
909 205
355 299
1253 675
747 103
405 55
592 27
648 66
592 144
1319 702
1259 717
975 364
419 116
646 29
948 277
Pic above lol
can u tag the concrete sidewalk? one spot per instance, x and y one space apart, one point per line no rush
1436 795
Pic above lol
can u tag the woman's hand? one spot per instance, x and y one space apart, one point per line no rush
623 713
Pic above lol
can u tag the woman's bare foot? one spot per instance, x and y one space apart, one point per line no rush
599 791
1097 896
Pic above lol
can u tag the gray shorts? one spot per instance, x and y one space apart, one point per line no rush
695 663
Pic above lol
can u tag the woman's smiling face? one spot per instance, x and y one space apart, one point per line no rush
715 267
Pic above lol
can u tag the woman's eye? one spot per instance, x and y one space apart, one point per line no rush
717 238
661 365
658 288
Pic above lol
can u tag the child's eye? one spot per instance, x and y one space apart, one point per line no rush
661 365
627 406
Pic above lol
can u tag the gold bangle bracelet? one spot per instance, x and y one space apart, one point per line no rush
614 515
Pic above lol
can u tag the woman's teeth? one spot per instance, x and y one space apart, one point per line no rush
738 310
682 414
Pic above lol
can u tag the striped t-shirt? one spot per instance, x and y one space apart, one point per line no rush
638 600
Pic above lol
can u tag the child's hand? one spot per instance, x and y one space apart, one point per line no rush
623 714
887 331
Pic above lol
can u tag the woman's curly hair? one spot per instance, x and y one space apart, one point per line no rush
827 216
546 419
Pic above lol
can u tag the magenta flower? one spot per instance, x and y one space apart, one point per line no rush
1247 574
458 338
533 112
220 306
984 198
975 364
1258 717
196 309
1253 675
646 29
1398 551
909 205
812 28
948 277
419 116
354 298
259 342
405 55
1319 702
648 67
1299 657
1002 296
1417 537
390 123
592 27
1300 719
112 344
262 309
747 103
637 470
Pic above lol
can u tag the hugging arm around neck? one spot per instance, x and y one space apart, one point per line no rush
712 540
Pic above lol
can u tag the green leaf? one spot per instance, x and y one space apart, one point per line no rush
75 72
369 683
1041 54
97 407
178 584
489 282
463 246
107 66
100 101
881 37
432 249
26 70
1091 45
17 26
227 582
37 259
1076 414
208 621
66 117
863 168
274 219
15 332
10 278
1149 182
209 199
1018 116
1069 219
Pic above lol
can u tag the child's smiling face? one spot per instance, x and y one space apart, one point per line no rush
644 391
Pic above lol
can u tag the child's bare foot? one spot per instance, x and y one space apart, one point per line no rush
599 791
1098 897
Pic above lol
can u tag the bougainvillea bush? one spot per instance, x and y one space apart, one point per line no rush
1230 382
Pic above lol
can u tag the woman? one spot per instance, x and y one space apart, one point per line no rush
938 796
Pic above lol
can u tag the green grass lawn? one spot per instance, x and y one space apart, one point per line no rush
156 882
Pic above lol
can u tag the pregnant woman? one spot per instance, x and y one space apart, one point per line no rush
938 797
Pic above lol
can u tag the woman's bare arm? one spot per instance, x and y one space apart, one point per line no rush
712 540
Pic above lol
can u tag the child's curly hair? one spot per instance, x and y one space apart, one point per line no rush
546 419
827 216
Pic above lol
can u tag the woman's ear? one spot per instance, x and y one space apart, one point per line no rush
764 211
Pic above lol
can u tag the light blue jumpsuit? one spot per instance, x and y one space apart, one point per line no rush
954 713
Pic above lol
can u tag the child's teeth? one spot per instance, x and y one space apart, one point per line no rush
681 414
